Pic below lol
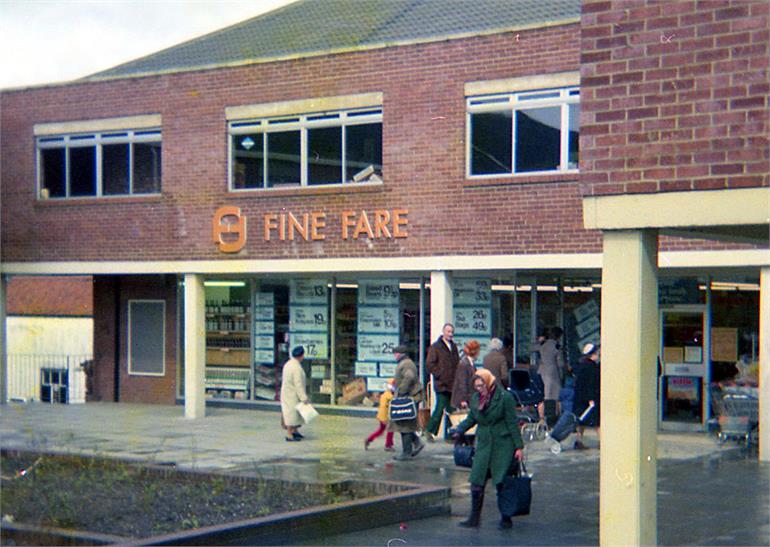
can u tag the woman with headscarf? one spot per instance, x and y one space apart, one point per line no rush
293 391
498 441
466 368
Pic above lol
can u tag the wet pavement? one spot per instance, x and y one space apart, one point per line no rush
708 495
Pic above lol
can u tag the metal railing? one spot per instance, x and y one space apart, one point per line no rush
48 378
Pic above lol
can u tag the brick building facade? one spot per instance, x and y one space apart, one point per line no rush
646 125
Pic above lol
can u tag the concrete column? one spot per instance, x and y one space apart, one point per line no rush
440 303
3 344
764 364
629 341
194 346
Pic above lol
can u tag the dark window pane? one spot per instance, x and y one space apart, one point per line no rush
324 155
147 168
491 143
538 139
574 133
363 147
52 169
115 169
248 161
83 171
283 159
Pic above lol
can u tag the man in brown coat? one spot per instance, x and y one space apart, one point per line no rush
442 361
495 361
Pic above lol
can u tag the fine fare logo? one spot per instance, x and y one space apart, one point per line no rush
230 233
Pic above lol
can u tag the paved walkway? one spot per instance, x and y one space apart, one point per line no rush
707 494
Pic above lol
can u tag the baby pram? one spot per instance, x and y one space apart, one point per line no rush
566 425
527 394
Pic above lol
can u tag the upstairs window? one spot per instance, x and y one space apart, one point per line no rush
306 150
99 164
522 133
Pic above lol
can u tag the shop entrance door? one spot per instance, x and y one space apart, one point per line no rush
684 368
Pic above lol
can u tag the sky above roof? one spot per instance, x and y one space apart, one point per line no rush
47 41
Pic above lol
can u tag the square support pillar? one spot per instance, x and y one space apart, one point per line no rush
764 364
441 298
629 342
3 342
194 346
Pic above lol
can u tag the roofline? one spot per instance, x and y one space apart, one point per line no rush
304 55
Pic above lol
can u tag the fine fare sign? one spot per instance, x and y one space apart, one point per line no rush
288 226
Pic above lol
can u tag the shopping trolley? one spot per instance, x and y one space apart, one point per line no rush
737 414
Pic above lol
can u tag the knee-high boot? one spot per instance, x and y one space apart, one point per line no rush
505 522
477 501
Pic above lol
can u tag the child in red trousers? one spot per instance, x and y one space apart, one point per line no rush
383 415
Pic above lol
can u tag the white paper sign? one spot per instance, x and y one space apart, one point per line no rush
365 369
308 318
263 313
308 291
318 372
263 327
387 370
376 347
264 299
473 321
592 324
315 343
378 320
378 292
586 310
468 292
264 356
376 384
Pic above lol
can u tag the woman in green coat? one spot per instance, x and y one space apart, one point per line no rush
498 441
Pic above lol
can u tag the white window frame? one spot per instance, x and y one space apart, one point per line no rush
522 100
301 123
69 141
163 341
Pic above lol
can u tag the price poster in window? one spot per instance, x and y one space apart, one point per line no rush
309 317
264 329
379 322
472 312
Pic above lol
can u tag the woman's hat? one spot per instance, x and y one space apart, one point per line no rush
299 351
472 348
589 348
400 349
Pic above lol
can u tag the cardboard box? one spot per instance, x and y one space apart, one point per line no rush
353 392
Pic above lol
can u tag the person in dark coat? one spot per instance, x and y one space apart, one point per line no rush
495 361
587 390
466 368
498 441
441 362
406 384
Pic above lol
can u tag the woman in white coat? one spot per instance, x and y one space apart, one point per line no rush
293 392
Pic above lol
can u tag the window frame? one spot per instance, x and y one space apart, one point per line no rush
513 102
163 340
301 123
97 140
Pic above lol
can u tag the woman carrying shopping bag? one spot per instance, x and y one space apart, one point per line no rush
498 441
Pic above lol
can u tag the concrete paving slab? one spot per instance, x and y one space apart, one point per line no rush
708 494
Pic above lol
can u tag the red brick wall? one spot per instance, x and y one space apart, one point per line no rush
132 388
674 95
424 159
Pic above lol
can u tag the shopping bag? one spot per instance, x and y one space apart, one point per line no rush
515 496
463 455
402 408
307 412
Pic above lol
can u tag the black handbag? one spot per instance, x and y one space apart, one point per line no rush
515 496
463 454
402 408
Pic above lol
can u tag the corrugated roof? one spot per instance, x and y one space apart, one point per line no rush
312 27
56 296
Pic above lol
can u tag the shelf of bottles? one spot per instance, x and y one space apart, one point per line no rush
228 348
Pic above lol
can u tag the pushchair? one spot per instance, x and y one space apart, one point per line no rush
527 394
566 425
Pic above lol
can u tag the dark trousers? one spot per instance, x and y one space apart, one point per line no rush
442 403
